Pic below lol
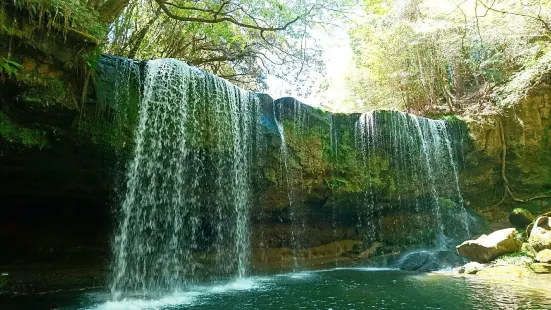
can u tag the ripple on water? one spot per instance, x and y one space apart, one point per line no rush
342 289
191 297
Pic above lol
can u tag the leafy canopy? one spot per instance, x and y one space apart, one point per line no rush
242 41
429 56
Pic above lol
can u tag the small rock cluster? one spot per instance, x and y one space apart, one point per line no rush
510 252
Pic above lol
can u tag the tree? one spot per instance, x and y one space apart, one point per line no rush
242 41
434 56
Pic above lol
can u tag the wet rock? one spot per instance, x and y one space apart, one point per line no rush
360 251
473 267
540 267
507 271
521 218
459 270
486 248
420 261
450 259
544 256
540 235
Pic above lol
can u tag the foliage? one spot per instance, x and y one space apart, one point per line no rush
516 258
425 56
8 69
242 41
92 58
521 83
13 132
65 16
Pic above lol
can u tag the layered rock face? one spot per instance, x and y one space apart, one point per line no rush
322 189
58 172
524 129
328 189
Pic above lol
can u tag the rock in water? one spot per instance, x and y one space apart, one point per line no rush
521 218
540 235
486 248
540 267
420 261
544 256
473 267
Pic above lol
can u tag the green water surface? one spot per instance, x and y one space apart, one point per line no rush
359 288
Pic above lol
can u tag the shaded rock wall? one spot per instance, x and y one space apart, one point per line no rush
526 128
57 170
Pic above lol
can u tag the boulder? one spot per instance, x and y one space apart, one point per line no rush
540 234
486 248
521 218
505 271
544 256
473 267
420 261
540 267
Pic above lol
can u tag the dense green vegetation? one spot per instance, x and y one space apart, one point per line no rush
422 56
425 56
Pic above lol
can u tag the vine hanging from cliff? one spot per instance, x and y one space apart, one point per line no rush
508 192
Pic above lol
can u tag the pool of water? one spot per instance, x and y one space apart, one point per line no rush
358 288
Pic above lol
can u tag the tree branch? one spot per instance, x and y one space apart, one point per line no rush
538 18
216 19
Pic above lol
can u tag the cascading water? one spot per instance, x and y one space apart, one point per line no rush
293 115
288 179
411 159
185 213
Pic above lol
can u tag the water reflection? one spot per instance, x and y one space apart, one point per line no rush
495 293
328 289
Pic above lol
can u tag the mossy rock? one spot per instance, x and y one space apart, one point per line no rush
521 218
15 133
540 267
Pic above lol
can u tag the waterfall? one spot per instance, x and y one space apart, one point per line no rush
185 211
198 165
411 159
293 115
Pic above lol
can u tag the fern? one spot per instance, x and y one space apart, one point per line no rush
9 69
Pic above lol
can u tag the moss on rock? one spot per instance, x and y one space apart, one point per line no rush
15 133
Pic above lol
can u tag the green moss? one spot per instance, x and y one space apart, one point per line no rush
15 133
516 258
446 203
67 16
271 175
307 149
49 92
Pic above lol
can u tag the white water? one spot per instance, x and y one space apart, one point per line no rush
416 155
185 214
187 200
